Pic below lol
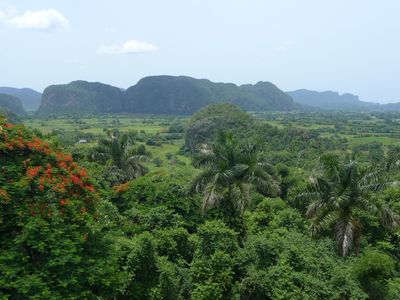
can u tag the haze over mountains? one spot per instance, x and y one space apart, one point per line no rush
30 98
175 95
330 100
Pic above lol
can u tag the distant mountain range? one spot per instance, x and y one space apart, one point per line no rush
30 99
174 95
328 100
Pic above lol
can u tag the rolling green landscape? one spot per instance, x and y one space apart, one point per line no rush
223 204
199 150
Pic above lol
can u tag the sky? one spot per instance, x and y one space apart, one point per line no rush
342 45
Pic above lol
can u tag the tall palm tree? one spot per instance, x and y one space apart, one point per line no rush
117 148
336 191
230 171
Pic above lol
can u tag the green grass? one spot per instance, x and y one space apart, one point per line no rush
386 140
96 125
171 166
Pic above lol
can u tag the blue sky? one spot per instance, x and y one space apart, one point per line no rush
346 46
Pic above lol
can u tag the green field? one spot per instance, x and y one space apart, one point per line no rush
150 126
96 125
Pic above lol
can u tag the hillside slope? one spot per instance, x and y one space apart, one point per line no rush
30 98
81 97
11 104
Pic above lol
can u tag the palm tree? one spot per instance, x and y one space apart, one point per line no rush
230 171
336 191
117 148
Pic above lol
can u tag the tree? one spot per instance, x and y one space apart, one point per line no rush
212 270
117 148
49 246
373 269
230 171
337 191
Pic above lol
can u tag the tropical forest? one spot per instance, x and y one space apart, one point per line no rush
169 150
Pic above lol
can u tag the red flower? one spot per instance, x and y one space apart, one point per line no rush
64 202
62 165
76 180
90 188
83 172
32 172
49 171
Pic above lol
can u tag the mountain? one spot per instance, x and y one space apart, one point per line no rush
175 95
184 95
12 104
391 106
331 101
81 97
30 98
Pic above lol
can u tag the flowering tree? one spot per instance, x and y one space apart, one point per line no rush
47 204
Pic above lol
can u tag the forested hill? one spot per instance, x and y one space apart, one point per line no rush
11 104
81 97
161 95
30 99
186 95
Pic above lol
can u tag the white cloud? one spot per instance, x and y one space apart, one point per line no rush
131 46
46 19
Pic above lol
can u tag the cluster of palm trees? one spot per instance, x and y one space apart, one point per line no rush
231 170
336 190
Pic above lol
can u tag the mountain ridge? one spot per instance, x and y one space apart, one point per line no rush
331 100
184 95
164 94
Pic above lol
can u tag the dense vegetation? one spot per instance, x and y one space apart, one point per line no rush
160 95
223 205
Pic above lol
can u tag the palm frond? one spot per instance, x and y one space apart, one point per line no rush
241 193
389 218
314 208
201 181
211 197
345 234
